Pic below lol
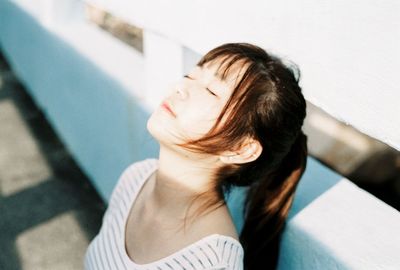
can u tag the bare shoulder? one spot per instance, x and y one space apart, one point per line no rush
217 222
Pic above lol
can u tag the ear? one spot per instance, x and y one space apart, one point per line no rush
250 151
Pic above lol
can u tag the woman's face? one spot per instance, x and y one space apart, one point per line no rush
196 101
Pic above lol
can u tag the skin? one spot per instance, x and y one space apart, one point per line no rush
182 173
153 229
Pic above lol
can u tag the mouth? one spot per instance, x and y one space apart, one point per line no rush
168 108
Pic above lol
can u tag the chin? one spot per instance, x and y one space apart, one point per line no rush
158 129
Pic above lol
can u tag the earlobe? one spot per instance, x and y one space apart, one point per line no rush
247 153
227 158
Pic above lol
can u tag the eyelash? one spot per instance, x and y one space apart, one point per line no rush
186 76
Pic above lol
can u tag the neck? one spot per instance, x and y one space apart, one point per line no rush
176 181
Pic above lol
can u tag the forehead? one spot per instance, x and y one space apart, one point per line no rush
213 71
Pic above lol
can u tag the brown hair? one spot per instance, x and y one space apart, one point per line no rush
268 107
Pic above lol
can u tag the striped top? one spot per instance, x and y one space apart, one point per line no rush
107 249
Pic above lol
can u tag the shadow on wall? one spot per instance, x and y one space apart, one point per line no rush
379 174
105 123
367 162
42 190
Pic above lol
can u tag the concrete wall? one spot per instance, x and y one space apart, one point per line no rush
347 50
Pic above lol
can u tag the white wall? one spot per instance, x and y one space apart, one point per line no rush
348 51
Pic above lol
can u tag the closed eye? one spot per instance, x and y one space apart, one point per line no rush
186 76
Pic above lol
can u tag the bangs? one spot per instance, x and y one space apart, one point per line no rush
228 59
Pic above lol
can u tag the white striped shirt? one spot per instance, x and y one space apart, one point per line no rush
107 249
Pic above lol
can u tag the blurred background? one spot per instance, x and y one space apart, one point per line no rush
51 197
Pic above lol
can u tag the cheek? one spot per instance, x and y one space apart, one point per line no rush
198 121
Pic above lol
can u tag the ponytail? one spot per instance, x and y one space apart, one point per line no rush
267 205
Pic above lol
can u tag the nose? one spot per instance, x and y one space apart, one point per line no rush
181 92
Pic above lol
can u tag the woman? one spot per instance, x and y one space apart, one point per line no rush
234 120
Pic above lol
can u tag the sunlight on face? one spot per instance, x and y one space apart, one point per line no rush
196 101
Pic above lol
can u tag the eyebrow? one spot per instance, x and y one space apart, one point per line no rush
215 74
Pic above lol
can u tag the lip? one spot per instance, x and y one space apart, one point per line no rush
168 108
